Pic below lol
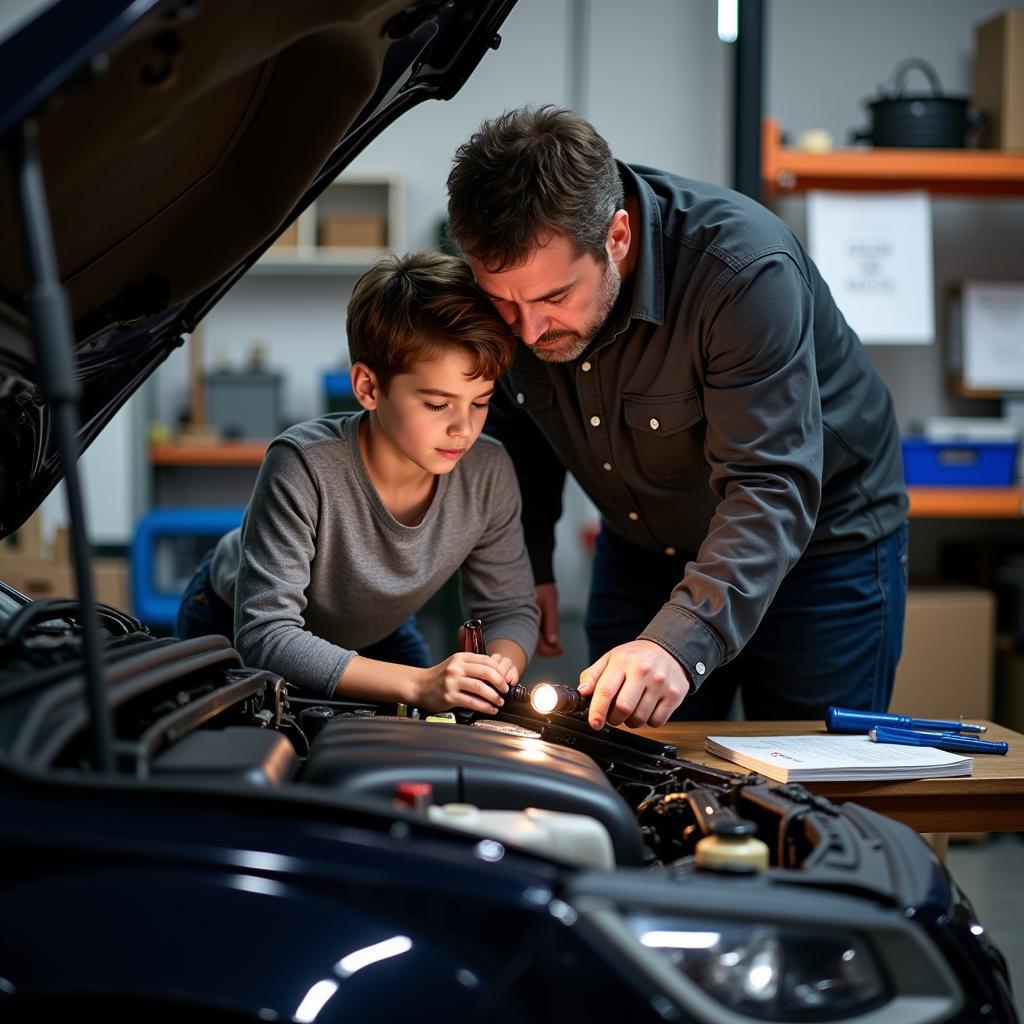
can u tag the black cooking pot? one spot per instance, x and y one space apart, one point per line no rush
899 118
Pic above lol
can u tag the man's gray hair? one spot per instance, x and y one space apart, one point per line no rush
530 173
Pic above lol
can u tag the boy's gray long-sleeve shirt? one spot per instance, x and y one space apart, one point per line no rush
320 568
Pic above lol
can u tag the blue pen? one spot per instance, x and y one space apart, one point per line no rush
844 720
942 741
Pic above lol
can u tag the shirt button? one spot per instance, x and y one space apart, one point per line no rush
633 516
595 421
670 551
606 466
520 397
654 424
701 668
585 367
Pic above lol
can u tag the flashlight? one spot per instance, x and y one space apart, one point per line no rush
543 698
473 642
550 699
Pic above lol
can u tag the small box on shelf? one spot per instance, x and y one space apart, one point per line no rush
959 463
352 230
999 79
244 403
353 221
338 394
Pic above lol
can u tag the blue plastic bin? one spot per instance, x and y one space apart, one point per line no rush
338 392
157 607
959 463
337 384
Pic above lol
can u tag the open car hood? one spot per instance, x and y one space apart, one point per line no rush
178 139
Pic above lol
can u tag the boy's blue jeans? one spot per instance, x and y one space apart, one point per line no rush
832 635
203 613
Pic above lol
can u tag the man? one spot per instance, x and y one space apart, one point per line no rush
683 358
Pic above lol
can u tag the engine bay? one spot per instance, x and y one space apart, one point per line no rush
189 710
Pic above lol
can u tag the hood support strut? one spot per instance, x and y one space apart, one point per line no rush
53 338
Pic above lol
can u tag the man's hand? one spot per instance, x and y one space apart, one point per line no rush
638 683
547 600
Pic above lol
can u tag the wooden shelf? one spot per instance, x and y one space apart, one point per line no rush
925 502
975 172
224 453
966 502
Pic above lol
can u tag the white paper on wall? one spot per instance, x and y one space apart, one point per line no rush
875 252
992 325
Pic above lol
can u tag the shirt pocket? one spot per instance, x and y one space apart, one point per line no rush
667 433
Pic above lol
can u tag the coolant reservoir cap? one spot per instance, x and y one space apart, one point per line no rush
412 793
736 828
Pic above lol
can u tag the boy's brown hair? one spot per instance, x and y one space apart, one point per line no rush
408 309
529 173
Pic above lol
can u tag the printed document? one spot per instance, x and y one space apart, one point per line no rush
875 252
830 758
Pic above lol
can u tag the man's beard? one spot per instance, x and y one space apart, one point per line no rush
572 344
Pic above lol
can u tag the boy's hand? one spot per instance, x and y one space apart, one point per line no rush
474 681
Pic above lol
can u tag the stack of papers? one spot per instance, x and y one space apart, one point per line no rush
831 758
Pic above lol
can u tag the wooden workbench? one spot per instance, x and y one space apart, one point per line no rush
991 799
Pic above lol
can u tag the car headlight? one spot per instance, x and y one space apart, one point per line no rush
771 972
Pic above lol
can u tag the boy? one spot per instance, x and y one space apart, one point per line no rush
357 519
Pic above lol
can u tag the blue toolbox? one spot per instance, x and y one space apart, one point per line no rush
953 463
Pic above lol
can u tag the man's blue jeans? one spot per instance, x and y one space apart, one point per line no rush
203 613
832 635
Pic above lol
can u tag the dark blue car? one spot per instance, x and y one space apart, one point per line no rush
183 837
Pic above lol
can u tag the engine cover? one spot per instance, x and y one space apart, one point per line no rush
467 764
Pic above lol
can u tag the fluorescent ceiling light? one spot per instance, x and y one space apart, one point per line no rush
728 20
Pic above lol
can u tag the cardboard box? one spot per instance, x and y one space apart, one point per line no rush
343 230
948 654
999 79
40 579
26 542
1009 709
42 570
